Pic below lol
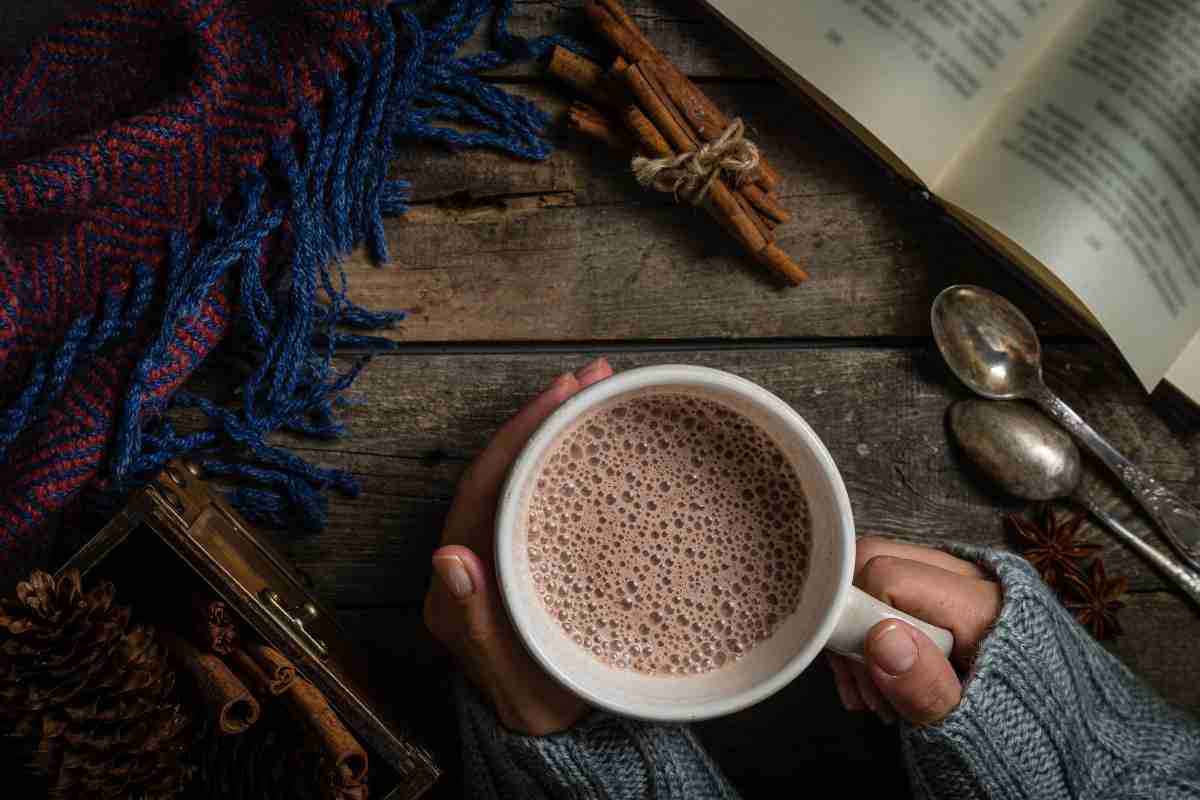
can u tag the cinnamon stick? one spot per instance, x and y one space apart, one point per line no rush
767 204
613 23
582 74
213 624
343 751
659 109
591 123
266 669
774 257
648 138
229 703
763 227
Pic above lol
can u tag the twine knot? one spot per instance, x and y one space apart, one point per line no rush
691 174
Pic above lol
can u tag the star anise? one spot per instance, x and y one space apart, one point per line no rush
1051 544
1096 599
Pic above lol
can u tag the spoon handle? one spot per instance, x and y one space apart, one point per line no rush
1183 578
1178 520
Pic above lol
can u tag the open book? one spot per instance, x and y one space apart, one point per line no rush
1064 132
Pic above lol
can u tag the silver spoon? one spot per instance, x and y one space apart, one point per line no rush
992 347
1031 457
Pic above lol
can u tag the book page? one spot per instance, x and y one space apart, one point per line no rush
1093 167
1184 374
921 75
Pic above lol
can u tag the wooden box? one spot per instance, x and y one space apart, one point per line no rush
178 523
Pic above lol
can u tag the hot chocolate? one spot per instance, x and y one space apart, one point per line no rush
667 533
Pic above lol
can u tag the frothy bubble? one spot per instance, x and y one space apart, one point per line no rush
688 540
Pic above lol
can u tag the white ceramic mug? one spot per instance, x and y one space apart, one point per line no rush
831 612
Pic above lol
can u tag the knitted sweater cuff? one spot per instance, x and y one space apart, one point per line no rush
604 756
1046 712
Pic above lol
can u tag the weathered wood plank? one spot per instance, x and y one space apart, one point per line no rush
880 411
1159 645
572 249
681 29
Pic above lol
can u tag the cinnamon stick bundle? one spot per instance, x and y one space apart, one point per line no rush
583 75
588 78
230 704
661 129
346 756
731 211
613 22
595 125
268 671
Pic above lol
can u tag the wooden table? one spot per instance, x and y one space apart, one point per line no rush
515 272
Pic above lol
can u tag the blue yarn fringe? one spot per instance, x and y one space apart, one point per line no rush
323 191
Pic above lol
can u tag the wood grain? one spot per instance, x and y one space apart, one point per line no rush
497 249
880 411
682 29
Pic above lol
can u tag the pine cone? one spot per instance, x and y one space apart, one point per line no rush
91 699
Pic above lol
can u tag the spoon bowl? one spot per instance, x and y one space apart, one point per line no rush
1032 458
1017 447
993 348
987 342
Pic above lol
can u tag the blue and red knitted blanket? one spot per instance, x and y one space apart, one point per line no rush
174 173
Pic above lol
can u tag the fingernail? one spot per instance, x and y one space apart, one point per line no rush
591 369
894 650
453 573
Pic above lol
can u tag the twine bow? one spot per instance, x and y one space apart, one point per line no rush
689 175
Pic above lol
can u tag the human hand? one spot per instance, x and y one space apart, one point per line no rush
905 674
463 608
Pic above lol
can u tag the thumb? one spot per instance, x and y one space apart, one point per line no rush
466 611
911 673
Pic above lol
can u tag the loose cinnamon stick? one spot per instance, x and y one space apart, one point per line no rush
613 23
266 669
229 703
590 122
582 74
347 756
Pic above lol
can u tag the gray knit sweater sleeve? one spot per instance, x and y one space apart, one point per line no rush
1046 714
605 757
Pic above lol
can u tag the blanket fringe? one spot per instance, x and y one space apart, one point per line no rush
321 193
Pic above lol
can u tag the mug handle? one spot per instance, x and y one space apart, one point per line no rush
862 612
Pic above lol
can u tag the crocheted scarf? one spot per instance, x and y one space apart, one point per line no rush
178 172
